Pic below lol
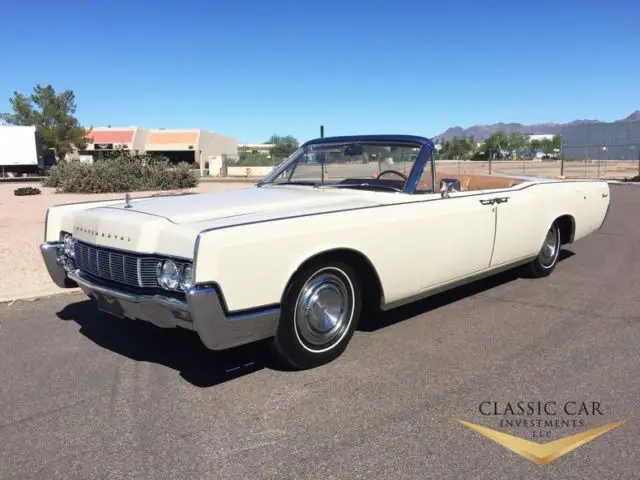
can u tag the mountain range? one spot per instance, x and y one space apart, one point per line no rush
481 132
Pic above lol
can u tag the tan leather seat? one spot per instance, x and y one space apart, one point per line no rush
471 182
482 182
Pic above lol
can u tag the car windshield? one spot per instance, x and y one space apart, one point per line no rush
374 165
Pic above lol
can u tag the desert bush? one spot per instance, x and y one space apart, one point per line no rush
22 191
254 160
122 173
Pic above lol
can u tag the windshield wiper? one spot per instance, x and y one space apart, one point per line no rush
359 185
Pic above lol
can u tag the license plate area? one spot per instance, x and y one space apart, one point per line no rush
109 305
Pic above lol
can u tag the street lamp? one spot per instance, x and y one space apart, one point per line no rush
604 149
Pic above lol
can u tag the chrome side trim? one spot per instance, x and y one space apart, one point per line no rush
456 283
515 188
46 223
194 263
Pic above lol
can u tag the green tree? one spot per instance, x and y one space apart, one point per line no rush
497 141
283 146
53 116
458 148
510 142
546 145
516 141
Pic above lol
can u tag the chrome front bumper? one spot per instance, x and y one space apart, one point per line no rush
201 311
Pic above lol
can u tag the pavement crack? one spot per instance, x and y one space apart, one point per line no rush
36 416
616 234
560 309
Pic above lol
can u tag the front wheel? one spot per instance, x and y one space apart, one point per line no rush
547 258
320 312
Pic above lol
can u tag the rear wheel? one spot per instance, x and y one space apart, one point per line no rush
547 258
320 312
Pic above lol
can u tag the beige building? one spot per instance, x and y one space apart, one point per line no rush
107 139
189 145
179 145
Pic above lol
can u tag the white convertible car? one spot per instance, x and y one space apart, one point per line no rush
345 225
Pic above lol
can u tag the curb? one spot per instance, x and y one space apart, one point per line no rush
620 182
21 179
230 180
37 295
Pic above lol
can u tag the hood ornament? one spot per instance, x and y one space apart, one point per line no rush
127 200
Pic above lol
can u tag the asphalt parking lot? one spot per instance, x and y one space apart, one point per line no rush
88 396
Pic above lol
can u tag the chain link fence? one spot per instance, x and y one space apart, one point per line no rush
607 162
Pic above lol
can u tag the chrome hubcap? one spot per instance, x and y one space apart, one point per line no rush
324 308
550 247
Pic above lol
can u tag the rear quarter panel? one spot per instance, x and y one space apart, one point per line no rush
591 211
523 222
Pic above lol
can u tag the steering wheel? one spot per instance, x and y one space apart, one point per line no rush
400 174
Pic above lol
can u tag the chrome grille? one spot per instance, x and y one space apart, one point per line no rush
127 268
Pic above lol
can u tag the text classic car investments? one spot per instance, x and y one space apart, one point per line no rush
341 228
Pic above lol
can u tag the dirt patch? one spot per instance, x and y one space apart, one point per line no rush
22 232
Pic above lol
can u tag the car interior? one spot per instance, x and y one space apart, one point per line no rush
394 179
462 182
466 182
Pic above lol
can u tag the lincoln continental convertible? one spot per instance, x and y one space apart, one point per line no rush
343 227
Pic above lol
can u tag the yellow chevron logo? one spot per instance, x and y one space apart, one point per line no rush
545 453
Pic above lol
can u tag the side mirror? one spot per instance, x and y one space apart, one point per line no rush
447 185
445 188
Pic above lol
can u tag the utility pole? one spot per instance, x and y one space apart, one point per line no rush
322 164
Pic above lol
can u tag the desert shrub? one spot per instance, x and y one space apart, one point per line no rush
22 191
122 173
254 160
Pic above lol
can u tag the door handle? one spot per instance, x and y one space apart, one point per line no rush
492 201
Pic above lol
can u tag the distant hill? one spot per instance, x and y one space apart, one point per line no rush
634 117
481 132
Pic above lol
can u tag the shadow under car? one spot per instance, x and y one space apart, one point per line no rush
182 350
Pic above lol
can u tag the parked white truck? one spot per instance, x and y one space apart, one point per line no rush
20 150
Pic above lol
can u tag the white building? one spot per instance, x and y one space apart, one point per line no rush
548 136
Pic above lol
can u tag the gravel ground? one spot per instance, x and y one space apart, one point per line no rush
87 396
22 231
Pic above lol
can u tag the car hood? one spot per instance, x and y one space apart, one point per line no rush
237 204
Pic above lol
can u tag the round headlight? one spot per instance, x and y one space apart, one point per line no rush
168 275
69 245
187 277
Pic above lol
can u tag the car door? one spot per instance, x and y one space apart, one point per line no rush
521 224
462 235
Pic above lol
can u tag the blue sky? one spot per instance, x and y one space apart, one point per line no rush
253 68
